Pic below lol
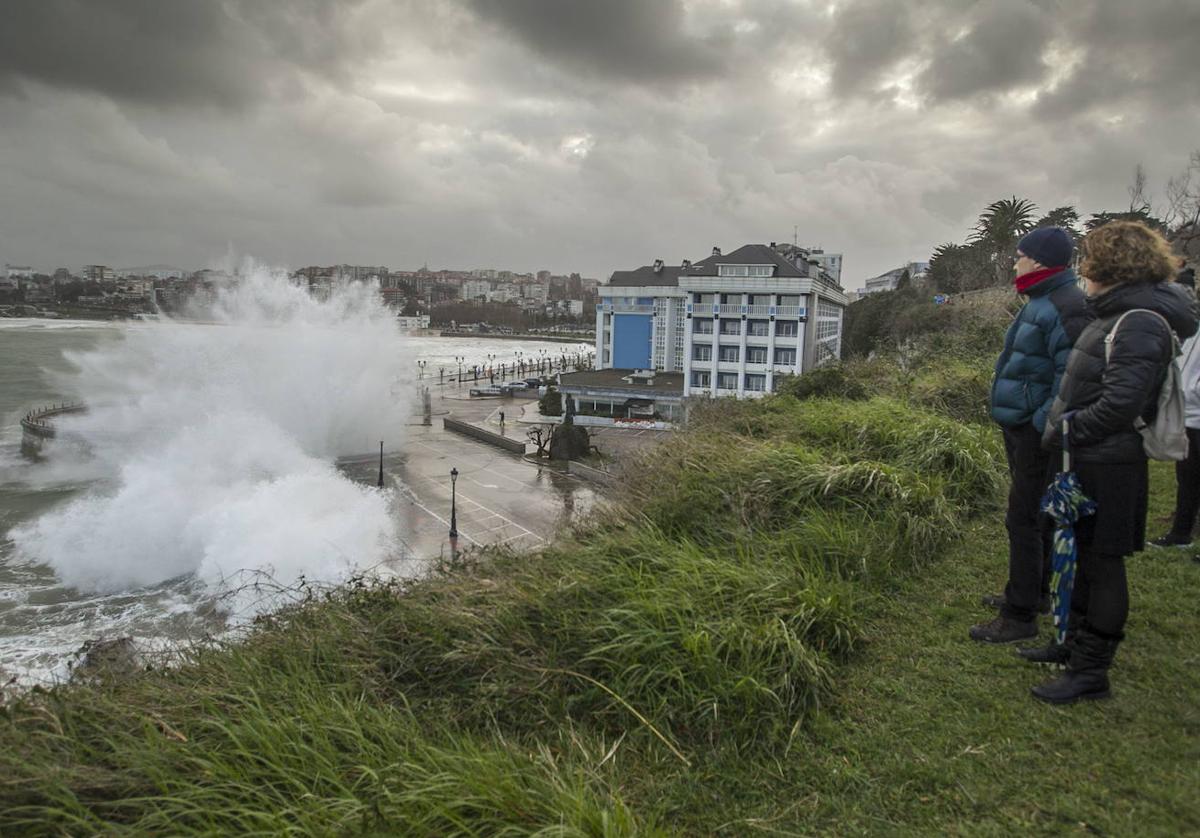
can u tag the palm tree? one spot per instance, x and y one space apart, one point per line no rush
958 267
999 228
1065 217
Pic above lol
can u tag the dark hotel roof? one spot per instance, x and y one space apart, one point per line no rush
646 275
749 254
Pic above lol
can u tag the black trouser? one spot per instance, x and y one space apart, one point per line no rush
1187 488
1100 599
1029 535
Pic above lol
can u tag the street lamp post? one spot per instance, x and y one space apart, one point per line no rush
380 483
458 359
453 503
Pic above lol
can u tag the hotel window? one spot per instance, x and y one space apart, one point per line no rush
785 357
702 299
746 270
756 383
701 379
702 326
731 327
758 328
756 354
759 300
729 353
727 380
731 299
786 328
789 299
701 352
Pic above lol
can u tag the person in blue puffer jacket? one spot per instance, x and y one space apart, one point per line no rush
1028 373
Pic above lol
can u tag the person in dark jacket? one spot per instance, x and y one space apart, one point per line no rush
1028 372
1128 268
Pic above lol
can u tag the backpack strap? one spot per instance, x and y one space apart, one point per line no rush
1139 422
1112 333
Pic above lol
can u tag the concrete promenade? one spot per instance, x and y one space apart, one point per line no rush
502 499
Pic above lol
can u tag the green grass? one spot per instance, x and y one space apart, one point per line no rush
767 636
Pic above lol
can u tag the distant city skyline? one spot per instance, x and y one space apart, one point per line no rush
600 136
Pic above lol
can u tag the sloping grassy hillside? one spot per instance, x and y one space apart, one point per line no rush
768 634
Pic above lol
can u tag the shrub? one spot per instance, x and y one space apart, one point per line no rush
550 404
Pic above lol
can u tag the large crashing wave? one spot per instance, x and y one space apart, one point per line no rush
214 444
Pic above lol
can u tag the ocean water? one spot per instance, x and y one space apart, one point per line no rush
201 484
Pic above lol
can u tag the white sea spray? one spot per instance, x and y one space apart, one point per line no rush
213 443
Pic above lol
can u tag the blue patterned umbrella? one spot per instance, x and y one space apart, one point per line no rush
1066 503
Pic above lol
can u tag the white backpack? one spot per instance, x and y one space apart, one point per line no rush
1166 439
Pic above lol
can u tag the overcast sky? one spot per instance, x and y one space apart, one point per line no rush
570 135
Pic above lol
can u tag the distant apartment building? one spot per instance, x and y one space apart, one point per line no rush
160 272
99 273
413 322
831 263
504 292
475 289
535 292
888 280
732 325
12 276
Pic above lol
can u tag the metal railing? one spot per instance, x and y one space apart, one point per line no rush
37 422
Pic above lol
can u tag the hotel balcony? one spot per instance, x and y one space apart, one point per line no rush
626 308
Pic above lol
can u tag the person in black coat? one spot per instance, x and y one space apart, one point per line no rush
1127 269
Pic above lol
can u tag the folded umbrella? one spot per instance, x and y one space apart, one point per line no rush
1066 503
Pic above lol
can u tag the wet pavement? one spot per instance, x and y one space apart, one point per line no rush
499 498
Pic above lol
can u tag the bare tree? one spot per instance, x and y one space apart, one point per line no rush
540 435
1183 207
1139 201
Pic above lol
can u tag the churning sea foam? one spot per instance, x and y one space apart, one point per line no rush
214 443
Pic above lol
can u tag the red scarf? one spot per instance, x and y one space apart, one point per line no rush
1026 281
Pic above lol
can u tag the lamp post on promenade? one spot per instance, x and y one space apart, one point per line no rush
421 369
458 359
380 483
453 503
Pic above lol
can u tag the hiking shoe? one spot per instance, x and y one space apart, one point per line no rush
1170 540
999 601
1003 630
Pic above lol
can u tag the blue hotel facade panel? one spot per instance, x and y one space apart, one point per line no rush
632 341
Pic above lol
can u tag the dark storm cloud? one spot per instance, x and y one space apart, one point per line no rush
1000 48
1145 54
173 52
631 40
866 39
570 135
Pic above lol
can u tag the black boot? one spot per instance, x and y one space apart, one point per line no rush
1087 671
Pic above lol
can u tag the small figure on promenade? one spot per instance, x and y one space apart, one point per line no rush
1109 384
1028 372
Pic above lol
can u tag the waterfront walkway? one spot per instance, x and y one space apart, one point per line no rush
502 499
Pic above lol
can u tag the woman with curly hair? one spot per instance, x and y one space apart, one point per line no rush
1107 386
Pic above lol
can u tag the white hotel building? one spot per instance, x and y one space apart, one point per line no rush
732 325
